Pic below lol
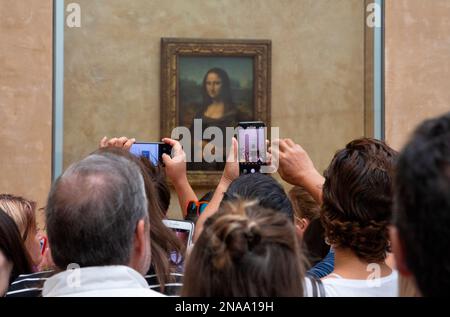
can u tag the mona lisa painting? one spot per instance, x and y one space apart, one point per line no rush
215 83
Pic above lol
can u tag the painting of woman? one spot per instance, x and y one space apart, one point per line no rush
220 102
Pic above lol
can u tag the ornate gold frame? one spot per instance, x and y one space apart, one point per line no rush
173 48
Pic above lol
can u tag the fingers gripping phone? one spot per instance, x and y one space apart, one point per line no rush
183 229
153 151
251 137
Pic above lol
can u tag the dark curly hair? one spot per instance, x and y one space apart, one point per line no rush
358 198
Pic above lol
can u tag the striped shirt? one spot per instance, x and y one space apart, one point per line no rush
172 288
30 285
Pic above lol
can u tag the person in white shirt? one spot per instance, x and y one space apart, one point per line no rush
357 201
98 229
336 285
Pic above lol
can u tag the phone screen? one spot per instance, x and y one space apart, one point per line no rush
182 229
252 147
148 150
183 235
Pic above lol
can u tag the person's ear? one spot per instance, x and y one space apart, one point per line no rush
399 252
300 226
140 236
298 231
301 223
304 223
139 247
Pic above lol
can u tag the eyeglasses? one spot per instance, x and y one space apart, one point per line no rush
196 207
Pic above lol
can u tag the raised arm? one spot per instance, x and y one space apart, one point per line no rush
230 173
176 172
175 167
296 167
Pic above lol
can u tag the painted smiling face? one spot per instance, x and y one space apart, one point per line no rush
213 85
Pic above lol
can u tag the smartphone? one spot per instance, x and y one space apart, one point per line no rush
251 136
183 229
153 151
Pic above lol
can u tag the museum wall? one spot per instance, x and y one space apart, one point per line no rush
417 65
112 73
112 67
26 98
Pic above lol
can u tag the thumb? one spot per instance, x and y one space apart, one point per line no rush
166 158
232 155
103 142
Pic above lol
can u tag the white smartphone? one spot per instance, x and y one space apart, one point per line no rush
183 229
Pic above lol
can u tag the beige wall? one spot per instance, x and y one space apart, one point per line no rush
417 64
112 72
26 97
112 66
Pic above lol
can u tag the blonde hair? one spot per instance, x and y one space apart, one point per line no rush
21 210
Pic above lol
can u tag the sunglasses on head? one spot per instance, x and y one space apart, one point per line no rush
196 207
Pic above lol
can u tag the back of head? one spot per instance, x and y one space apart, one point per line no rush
12 247
245 250
162 239
262 188
303 203
422 205
92 212
357 198
313 241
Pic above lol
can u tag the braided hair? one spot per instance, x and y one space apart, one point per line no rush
358 198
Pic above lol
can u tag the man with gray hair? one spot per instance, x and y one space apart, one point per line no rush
98 229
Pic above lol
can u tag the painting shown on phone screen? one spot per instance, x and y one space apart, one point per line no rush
218 90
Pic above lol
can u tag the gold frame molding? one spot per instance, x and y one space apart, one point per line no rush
173 48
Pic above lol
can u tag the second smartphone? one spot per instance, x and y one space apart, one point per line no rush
251 137
183 229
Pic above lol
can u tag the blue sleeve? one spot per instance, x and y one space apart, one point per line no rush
324 267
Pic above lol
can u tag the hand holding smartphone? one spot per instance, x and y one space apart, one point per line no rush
252 146
153 151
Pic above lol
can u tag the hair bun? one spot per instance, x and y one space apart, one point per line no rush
233 239
253 235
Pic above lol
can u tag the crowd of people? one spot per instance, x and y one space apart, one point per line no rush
376 223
